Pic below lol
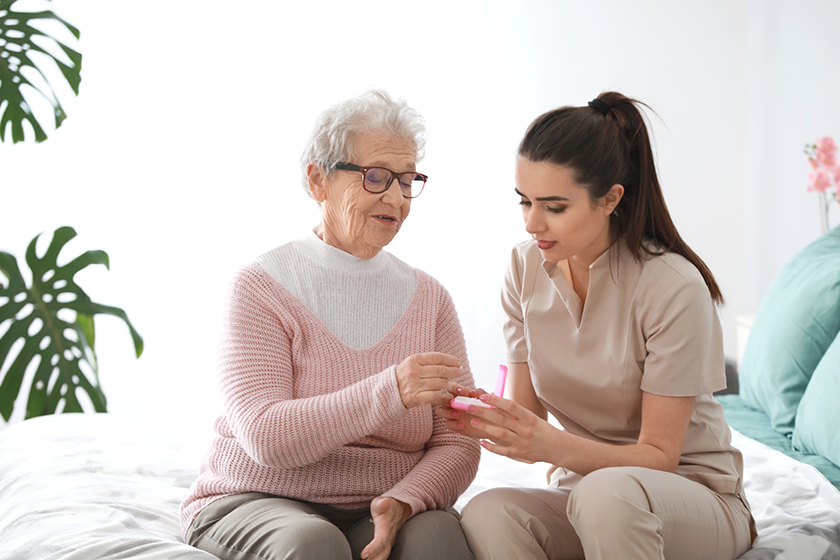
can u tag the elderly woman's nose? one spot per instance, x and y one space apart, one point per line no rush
393 194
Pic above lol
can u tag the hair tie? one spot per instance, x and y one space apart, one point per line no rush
600 105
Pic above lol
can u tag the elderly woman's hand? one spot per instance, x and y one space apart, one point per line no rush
422 378
388 516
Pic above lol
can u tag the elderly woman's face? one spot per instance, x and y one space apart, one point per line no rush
354 220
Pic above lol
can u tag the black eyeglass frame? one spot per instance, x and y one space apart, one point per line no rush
344 166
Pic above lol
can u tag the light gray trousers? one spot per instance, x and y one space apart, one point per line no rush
255 526
629 513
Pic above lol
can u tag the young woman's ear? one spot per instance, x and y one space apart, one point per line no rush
612 198
317 181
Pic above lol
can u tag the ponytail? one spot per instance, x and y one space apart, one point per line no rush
607 143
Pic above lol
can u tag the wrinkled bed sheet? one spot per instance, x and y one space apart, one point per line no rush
89 486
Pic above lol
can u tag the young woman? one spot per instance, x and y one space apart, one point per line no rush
612 329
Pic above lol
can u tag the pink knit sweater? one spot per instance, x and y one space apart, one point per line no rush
307 417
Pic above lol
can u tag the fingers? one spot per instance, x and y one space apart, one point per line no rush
461 391
435 365
498 423
512 430
422 378
376 550
432 365
503 410
503 450
456 420
494 414
437 358
387 515
460 422
448 413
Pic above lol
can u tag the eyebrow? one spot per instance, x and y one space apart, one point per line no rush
544 198
384 166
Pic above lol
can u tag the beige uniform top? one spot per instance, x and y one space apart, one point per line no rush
645 326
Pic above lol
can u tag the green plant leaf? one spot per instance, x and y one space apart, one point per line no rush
52 345
17 40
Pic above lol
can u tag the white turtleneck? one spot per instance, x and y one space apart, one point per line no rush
359 300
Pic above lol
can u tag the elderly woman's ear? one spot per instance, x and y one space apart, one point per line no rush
317 181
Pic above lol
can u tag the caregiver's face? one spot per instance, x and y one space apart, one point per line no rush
353 219
559 213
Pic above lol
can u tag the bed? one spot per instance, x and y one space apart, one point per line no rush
89 486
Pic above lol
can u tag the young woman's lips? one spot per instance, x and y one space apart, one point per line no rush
545 245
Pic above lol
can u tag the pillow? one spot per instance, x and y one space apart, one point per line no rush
796 323
818 416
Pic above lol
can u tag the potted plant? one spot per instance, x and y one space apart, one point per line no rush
60 350
823 175
47 332
18 41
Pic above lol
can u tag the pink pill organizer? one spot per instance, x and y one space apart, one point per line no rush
461 403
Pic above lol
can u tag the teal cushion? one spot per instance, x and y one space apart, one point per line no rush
818 416
756 425
798 320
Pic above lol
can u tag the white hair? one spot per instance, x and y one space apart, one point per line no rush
337 129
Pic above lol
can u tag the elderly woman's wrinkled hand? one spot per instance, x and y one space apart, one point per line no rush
424 378
388 516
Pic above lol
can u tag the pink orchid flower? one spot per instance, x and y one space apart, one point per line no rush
820 180
826 152
826 143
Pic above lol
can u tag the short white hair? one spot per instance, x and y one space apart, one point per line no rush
337 128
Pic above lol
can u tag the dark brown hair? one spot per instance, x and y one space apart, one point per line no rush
604 145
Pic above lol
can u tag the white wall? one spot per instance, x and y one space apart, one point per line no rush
794 75
179 157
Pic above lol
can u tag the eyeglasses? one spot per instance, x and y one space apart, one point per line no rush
377 180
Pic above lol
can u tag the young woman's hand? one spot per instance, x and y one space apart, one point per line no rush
389 515
514 431
461 421
511 430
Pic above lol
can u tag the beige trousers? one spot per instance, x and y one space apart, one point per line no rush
255 526
622 512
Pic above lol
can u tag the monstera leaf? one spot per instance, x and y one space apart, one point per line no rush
18 40
55 346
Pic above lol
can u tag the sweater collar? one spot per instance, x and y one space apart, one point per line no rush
337 259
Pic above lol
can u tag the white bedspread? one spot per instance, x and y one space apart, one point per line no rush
82 487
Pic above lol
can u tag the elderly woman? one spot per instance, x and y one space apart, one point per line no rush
333 356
